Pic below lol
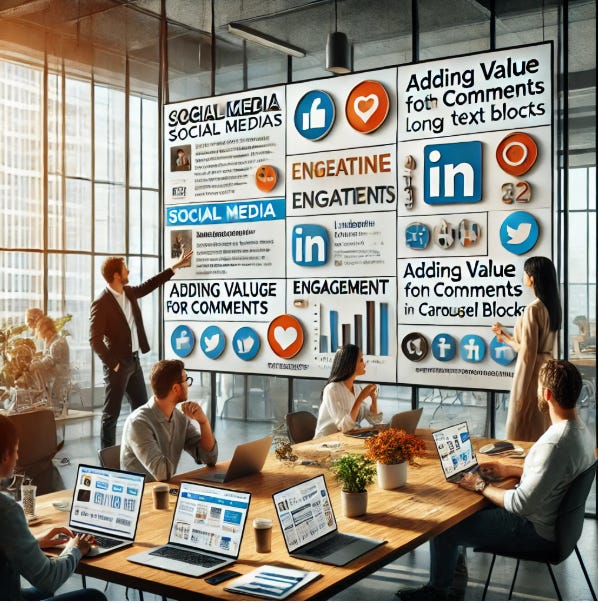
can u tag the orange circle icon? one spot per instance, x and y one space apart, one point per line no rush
285 336
266 178
516 153
367 106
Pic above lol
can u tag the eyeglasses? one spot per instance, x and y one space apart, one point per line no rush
188 380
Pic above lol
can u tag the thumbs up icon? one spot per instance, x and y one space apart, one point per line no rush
314 115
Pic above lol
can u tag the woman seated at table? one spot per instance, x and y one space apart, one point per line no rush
54 365
21 553
343 402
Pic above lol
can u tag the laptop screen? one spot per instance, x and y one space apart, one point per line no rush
304 512
210 518
455 449
107 501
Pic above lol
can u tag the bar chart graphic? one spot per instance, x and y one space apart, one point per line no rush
368 328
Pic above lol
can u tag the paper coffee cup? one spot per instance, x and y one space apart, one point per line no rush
160 495
262 529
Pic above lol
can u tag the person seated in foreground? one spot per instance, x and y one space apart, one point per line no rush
21 552
156 433
522 519
343 402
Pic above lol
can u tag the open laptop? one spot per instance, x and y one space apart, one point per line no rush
455 450
106 503
407 420
206 531
309 527
247 459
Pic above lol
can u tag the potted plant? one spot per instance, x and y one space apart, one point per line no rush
393 449
354 472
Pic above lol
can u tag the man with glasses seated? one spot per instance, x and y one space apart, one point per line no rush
155 434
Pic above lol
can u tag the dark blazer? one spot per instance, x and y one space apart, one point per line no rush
109 332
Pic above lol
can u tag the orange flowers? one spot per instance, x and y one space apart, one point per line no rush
393 446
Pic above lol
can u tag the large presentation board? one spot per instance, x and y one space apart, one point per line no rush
393 209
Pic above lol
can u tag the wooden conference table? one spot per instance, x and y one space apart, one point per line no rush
405 517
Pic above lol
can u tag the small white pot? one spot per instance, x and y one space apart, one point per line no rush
354 504
391 476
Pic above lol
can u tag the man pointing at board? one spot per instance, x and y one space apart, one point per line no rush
117 335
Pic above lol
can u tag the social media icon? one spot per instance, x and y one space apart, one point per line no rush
246 343
212 342
519 232
182 341
469 233
314 115
517 153
501 352
367 106
285 336
266 177
310 246
444 235
472 348
453 173
415 347
417 235
444 347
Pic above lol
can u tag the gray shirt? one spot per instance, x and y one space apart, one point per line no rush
20 555
563 452
152 444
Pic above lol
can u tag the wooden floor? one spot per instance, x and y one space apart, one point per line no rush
410 570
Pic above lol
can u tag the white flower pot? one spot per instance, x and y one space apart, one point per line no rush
354 504
391 476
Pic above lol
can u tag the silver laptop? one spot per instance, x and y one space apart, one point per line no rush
407 420
106 503
247 459
309 527
455 450
206 532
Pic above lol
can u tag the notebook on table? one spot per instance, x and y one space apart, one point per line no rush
206 531
247 459
308 525
106 503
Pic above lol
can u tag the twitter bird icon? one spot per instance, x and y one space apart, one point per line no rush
212 342
519 232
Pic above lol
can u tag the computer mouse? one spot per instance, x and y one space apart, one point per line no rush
94 550
497 447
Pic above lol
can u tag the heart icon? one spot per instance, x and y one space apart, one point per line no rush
285 337
365 106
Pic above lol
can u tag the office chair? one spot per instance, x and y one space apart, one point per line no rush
569 525
110 457
407 420
301 426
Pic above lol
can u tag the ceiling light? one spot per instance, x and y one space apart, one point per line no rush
338 50
252 35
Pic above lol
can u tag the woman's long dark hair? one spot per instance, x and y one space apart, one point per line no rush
344 363
546 287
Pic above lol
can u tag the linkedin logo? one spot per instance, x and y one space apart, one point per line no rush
453 173
309 245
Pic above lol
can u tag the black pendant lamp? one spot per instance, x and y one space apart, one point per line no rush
338 50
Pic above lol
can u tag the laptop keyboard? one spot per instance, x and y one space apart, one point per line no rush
105 541
187 556
330 546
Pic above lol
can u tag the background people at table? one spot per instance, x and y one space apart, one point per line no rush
155 434
533 341
117 335
522 519
21 553
54 364
344 403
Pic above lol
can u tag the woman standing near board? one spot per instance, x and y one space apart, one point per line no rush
533 341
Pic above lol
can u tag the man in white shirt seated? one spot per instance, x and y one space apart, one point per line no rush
522 519
155 434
